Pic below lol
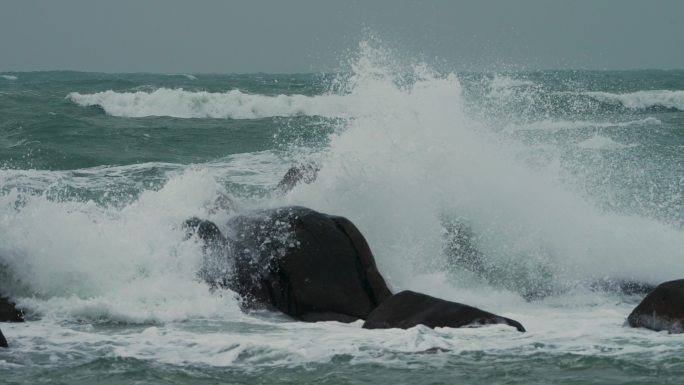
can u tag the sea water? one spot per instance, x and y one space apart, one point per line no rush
565 185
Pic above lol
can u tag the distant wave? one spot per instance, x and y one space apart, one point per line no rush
642 99
9 77
233 104
187 76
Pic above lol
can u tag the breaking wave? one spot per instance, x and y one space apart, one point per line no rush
412 169
234 104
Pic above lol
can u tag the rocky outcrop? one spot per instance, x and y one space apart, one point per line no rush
309 265
661 309
317 267
408 309
9 311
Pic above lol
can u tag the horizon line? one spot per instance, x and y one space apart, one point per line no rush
176 73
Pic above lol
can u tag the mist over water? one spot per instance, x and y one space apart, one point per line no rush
532 195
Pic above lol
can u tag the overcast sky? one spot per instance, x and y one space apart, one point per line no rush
316 35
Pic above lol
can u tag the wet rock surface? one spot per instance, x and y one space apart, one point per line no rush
408 309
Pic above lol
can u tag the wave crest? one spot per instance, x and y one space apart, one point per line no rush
179 103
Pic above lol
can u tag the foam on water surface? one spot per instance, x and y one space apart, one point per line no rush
248 343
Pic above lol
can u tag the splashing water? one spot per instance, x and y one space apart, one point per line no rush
421 157
407 162
492 190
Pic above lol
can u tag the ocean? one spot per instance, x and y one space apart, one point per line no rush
567 184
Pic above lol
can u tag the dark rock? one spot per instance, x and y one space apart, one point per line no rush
216 265
309 265
9 312
661 309
306 173
205 230
408 309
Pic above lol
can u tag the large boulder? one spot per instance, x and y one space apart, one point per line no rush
309 265
408 309
661 309
9 311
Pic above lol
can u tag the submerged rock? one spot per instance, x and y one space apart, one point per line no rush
309 265
3 341
661 309
9 311
408 309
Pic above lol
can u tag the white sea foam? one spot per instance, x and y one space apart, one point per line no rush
233 104
643 99
9 77
127 262
588 330
77 259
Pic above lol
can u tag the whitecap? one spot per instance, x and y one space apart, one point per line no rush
180 103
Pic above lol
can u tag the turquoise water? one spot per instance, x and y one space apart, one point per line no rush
567 182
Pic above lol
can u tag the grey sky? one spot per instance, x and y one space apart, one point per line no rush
315 35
